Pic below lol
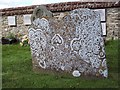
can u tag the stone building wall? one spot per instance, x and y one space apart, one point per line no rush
113 23
112 16
19 30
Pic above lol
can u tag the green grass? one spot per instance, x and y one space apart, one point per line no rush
17 71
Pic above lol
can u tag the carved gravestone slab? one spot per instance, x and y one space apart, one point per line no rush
73 44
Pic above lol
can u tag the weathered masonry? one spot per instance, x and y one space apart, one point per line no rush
72 44
17 20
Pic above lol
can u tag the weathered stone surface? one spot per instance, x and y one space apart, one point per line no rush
73 43
76 73
40 12
113 23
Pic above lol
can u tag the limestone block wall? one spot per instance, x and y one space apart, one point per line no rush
113 23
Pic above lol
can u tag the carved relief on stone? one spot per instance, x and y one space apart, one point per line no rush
73 43
38 45
57 39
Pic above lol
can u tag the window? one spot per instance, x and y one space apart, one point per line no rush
102 13
103 20
103 28
27 19
12 20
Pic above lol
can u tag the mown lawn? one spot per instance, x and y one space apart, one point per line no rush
17 71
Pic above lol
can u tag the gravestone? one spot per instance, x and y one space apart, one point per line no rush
73 44
40 12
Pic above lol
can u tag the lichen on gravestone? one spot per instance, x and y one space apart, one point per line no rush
41 12
38 13
73 44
